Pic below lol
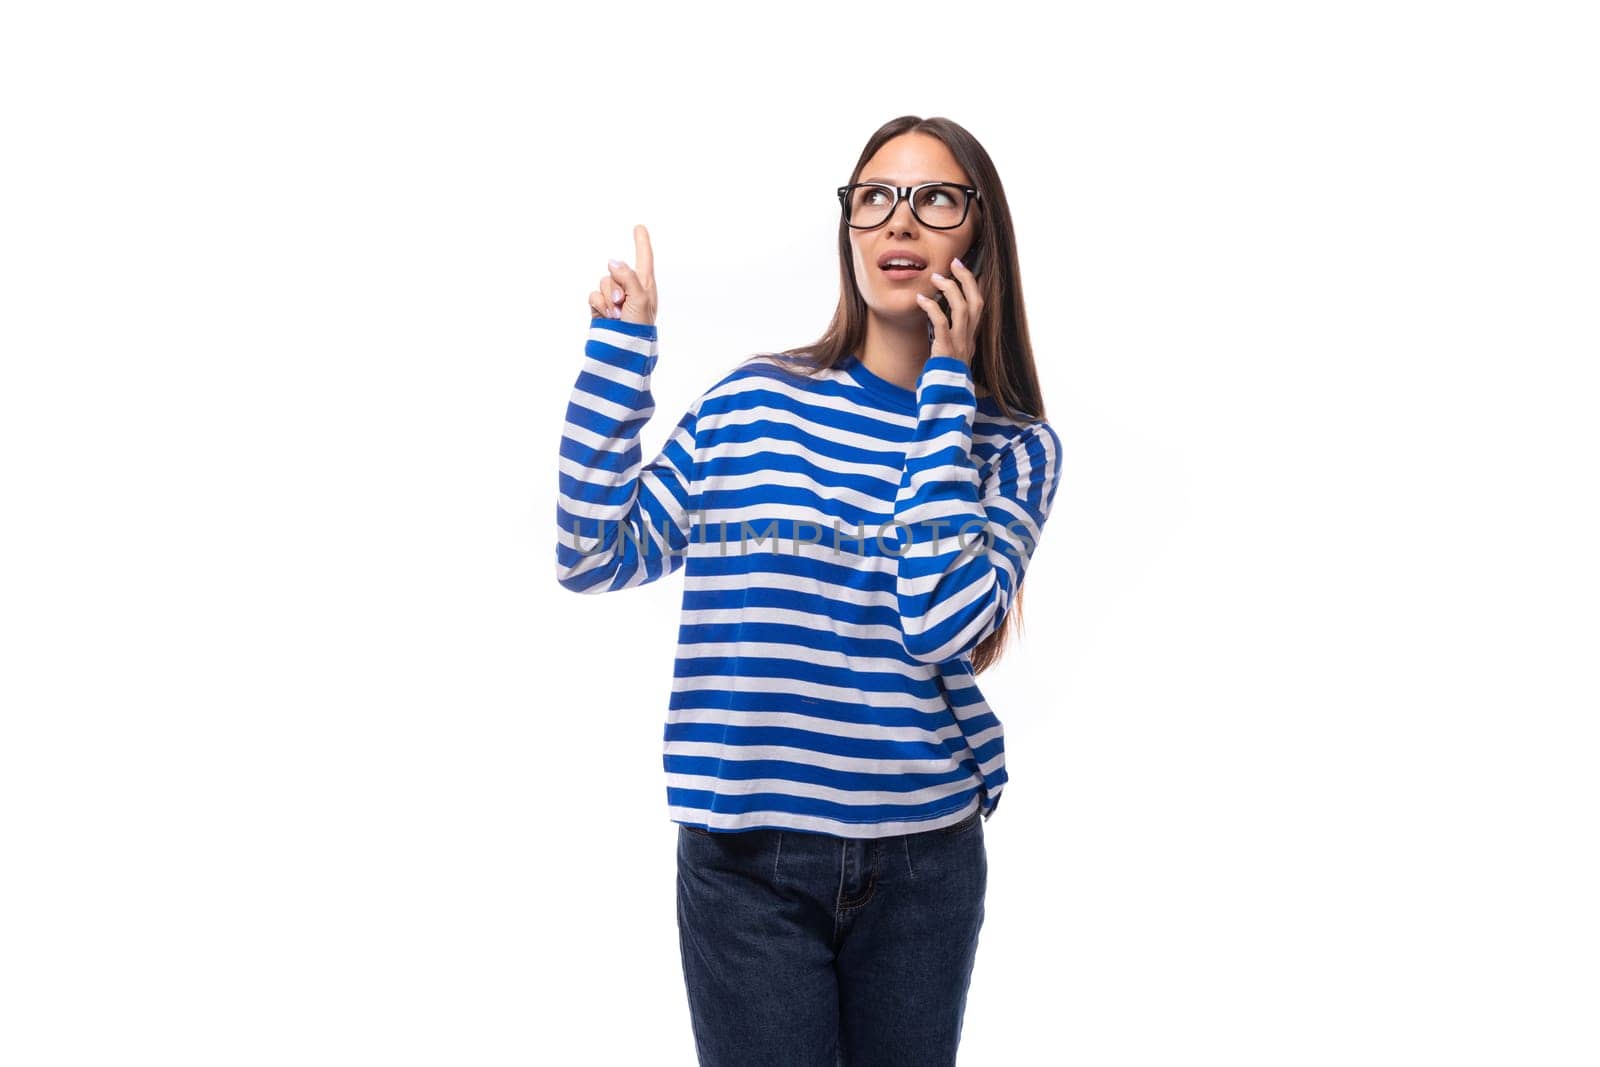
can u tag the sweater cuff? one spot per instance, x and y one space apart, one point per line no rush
946 384
647 330
947 363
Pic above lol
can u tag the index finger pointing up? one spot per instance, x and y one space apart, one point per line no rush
644 260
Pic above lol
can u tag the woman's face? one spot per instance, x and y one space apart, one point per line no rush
910 159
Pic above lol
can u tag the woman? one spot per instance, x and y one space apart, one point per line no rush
855 518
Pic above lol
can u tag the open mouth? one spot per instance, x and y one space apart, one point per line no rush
899 266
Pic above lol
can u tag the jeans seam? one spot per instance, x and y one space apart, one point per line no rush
866 894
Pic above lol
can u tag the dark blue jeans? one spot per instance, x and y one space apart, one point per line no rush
809 950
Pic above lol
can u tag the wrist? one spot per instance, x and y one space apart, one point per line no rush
646 330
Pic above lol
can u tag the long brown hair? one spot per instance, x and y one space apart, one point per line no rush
1003 363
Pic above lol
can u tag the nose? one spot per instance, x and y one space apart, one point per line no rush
901 205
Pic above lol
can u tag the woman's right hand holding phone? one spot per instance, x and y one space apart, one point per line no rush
625 293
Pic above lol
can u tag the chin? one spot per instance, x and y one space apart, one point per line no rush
899 308
898 305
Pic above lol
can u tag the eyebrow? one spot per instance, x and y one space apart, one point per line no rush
929 181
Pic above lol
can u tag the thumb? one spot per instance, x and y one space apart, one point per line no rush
625 279
633 306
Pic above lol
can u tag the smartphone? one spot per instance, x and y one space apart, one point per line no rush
974 263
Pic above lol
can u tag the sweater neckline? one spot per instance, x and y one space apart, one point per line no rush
898 395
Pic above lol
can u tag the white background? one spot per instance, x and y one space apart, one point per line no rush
307 759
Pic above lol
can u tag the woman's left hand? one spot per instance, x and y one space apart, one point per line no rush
956 336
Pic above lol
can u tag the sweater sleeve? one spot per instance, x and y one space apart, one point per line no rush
967 539
618 526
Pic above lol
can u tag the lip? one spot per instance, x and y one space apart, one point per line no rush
902 254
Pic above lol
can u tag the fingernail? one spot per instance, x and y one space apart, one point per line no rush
957 262
936 274
616 294
615 262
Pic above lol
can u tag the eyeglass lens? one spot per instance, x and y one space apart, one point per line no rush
935 205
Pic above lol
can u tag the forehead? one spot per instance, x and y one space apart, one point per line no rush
911 181
913 159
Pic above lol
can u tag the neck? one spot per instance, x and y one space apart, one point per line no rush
896 351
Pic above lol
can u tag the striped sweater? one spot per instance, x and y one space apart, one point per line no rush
846 542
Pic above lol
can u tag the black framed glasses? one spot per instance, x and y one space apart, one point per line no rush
937 205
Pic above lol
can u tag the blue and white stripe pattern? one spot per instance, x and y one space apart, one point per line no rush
846 543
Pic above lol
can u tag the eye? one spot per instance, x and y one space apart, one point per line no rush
868 195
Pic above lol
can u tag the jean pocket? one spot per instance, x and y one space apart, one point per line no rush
963 826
